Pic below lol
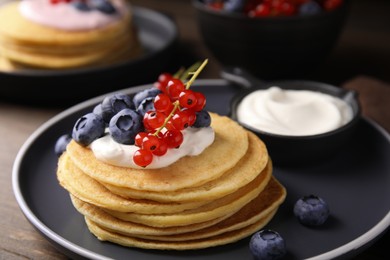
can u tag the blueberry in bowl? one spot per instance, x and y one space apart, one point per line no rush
300 121
271 39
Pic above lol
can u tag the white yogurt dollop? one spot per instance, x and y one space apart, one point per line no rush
195 141
64 16
293 112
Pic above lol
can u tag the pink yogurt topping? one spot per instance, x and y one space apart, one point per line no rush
64 16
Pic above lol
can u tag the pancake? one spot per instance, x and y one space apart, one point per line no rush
264 205
37 46
229 146
215 240
109 222
247 169
87 189
19 29
223 206
6 64
58 57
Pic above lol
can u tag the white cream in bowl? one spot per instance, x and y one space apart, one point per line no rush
293 112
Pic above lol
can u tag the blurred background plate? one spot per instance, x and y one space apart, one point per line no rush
158 35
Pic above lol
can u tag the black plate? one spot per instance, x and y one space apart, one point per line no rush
355 183
158 35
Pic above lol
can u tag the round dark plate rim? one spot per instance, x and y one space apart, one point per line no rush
359 242
138 11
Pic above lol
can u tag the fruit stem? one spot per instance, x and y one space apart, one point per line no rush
176 104
179 73
196 73
189 70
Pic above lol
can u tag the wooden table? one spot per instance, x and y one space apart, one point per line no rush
360 61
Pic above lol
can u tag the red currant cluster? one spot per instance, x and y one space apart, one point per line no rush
175 109
60 1
264 8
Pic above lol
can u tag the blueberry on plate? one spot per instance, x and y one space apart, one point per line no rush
267 245
113 104
311 210
141 95
61 143
203 119
88 128
125 125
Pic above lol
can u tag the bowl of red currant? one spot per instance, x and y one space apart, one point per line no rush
272 39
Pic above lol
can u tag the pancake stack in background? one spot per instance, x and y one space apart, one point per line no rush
218 197
26 43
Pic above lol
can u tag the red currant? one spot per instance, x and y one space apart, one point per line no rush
165 77
150 143
162 81
143 157
162 148
187 99
162 103
139 137
200 101
180 120
260 11
154 119
331 4
173 138
218 5
190 116
175 86
286 8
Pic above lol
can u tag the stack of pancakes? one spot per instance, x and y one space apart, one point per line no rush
25 44
218 197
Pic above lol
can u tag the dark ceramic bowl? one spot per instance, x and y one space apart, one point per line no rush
270 47
297 150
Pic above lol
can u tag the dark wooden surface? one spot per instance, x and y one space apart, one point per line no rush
361 61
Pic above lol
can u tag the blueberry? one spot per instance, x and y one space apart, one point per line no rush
88 128
209 1
80 5
113 104
310 8
146 105
311 210
98 110
203 119
234 5
267 245
140 96
61 143
125 125
103 6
